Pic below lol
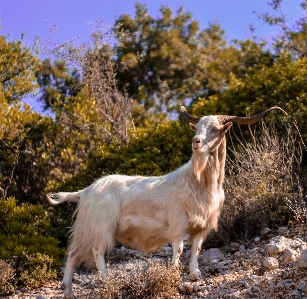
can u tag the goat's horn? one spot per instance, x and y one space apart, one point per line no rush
188 117
247 120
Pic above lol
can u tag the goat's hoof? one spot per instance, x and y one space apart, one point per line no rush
69 296
196 275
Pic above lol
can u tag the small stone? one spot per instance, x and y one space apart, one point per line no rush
280 285
257 240
243 283
301 286
24 290
265 231
302 260
182 288
195 287
242 249
282 229
270 263
213 254
189 288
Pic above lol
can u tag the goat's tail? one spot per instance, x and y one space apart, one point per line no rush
57 198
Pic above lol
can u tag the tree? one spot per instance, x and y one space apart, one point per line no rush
57 82
17 69
88 70
164 61
155 56
292 37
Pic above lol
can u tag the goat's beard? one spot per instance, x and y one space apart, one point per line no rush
199 162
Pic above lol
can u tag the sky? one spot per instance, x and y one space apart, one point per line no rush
71 17
34 17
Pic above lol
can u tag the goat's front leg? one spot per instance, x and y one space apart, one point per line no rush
195 273
177 250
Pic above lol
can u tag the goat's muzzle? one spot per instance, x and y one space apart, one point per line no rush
196 142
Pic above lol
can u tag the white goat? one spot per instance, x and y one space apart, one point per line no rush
146 213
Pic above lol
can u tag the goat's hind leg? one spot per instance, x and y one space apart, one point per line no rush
100 260
71 264
177 250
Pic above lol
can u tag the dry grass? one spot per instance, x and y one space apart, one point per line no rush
261 181
7 276
157 280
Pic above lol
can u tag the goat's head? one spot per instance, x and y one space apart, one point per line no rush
210 130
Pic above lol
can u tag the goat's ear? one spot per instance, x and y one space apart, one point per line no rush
193 127
226 127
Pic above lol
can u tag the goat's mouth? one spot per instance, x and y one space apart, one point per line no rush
198 149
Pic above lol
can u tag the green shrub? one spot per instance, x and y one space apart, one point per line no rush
25 239
38 269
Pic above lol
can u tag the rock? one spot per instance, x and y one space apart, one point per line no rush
282 229
270 263
265 231
213 254
280 285
302 286
195 287
189 288
243 283
302 260
278 244
242 249
257 240
288 255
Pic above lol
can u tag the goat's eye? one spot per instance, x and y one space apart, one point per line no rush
215 129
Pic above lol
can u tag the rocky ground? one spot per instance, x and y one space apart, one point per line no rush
273 265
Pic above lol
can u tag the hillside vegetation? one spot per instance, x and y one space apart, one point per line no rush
113 108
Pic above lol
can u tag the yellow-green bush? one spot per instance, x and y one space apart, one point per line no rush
156 149
38 270
25 239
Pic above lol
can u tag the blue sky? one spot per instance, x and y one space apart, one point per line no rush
71 16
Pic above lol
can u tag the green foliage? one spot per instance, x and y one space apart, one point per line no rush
17 70
38 269
24 234
155 149
291 38
165 60
282 84
155 55
57 83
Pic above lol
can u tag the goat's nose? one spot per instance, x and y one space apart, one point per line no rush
196 140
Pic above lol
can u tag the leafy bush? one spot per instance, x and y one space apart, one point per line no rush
155 149
38 269
7 278
25 239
